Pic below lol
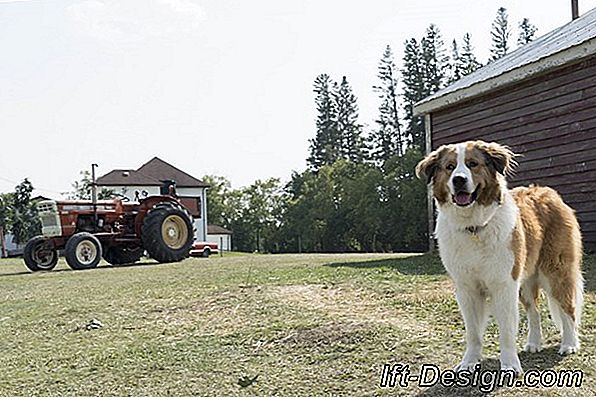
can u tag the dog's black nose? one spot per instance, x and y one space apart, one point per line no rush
459 182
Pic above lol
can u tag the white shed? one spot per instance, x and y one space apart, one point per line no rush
221 236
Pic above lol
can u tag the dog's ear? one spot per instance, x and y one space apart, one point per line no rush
498 157
427 167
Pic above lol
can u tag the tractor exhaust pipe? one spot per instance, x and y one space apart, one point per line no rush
94 196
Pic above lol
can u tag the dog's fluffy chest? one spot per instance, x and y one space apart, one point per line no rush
475 245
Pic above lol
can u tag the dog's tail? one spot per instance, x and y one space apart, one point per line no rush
556 311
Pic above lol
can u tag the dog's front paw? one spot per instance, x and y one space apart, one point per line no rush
516 370
566 349
467 365
533 347
511 363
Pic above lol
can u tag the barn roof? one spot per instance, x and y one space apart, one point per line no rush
150 174
561 46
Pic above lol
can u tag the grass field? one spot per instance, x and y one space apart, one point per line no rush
307 325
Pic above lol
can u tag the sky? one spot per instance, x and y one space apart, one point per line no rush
219 87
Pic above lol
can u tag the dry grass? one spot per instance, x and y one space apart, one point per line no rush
307 325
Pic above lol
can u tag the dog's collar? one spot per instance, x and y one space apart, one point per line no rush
474 230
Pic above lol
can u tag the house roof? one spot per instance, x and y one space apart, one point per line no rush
126 178
150 174
216 229
570 42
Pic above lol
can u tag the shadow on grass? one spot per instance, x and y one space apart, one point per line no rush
431 265
14 274
546 359
103 267
426 264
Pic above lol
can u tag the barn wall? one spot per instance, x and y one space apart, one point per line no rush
551 121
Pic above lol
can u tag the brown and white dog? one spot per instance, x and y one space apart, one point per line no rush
501 245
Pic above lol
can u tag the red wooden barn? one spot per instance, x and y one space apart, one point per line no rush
541 101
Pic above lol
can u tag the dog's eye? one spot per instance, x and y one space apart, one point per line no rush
450 167
472 164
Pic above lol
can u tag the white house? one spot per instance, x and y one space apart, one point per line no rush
221 236
149 179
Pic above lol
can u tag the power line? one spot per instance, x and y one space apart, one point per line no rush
35 188
7 180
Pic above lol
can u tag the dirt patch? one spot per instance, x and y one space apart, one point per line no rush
346 304
339 336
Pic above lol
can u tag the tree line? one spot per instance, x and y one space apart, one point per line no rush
359 191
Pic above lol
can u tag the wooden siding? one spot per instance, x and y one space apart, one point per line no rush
550 120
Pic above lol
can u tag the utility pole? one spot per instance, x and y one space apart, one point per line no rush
3 252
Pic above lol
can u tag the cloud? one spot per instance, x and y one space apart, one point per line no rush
136 20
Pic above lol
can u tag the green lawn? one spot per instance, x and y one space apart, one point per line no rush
307 325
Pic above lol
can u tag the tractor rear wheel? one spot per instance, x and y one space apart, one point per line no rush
167 233
39 254
82 251
122 256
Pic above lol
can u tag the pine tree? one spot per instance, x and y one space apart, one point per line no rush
500 35
349 132
526 32
468 60
425 72
325 147
434 60
456 65
387 139
413 91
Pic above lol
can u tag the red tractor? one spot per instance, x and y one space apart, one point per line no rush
116 230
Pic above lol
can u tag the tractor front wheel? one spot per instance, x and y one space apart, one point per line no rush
39 254
167 233
82 251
